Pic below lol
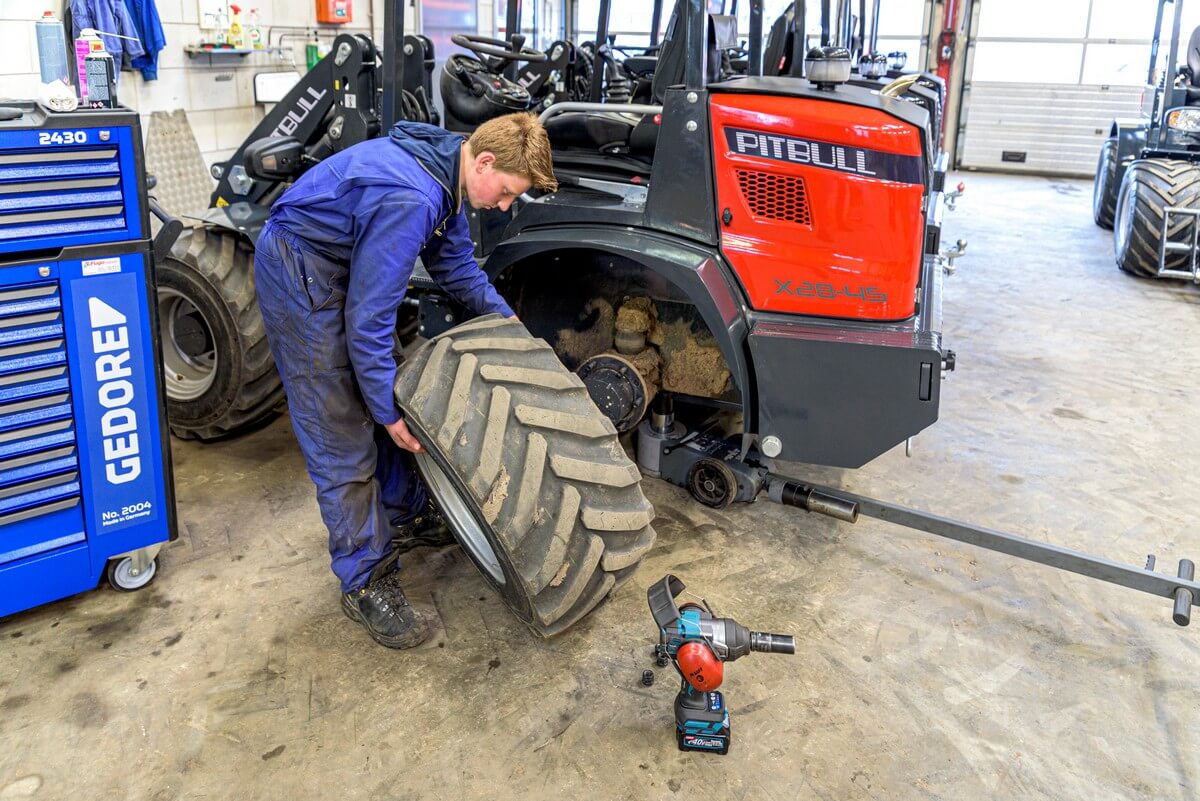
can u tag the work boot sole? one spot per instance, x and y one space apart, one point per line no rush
411 638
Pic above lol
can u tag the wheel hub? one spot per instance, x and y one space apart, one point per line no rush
617 389
189 350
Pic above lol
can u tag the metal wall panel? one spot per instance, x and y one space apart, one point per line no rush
1059 127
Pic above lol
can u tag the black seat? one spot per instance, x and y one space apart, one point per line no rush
1193 66
642 65
629 134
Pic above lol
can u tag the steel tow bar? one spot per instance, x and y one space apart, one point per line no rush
1182 589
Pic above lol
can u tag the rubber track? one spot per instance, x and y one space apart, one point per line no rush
542 464
1161 183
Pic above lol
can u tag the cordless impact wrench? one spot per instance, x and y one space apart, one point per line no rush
698 643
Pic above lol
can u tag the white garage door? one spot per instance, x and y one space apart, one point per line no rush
1047 78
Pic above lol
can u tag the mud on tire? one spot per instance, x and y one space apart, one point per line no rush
527 470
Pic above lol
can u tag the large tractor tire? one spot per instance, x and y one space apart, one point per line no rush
1148 188
527 471
1104 189
220 376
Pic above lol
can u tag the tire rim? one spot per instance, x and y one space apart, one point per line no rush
460 517
1125 210
189 353
124 578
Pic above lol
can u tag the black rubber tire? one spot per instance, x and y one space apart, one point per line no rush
535 465
1105 186
1149 187
214 271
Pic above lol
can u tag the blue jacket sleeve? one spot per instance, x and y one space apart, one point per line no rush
450 260
387 242
132 45
145 18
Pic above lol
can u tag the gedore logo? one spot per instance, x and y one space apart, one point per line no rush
118 424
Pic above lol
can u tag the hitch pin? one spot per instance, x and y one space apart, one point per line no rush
1182 614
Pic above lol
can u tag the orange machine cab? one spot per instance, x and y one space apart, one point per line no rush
820 204
334 12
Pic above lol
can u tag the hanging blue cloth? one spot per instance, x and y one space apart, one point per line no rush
150 30
108 17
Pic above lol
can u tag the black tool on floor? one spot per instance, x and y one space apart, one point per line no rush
698 643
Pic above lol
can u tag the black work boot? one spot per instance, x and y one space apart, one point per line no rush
426 529
385 613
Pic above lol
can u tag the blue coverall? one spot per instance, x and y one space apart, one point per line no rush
332 265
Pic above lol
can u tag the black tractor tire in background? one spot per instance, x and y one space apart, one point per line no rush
1148 188
1105 186
219 373
527 471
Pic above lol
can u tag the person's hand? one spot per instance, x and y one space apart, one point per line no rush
400 435
515 318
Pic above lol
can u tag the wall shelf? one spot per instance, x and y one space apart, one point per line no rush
225 53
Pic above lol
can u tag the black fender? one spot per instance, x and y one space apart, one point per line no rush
828 391
1131 136
697 272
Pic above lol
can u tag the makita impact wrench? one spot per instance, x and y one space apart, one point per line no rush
699 643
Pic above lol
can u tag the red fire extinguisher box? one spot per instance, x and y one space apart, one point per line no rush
334 12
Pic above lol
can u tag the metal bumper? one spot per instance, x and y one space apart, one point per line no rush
1191 246
840 393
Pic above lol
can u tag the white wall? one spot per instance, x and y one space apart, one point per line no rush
219 99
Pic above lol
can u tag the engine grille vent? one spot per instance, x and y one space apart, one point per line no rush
775 197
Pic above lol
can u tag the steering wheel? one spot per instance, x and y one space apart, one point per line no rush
497 48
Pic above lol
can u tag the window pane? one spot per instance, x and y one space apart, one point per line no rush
1027 62
1116 65
910 46
1124 19
539 23
901 18
586 12
625 17
440 19
1034 19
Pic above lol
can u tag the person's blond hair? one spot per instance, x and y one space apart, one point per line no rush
521 147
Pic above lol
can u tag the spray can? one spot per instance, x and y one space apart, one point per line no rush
88 42
52 49
312 51
101 80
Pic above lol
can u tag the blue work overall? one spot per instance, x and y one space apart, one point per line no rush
332 266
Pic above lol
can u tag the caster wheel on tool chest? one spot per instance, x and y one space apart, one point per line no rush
121 578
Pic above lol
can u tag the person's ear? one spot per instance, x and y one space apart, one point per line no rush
484 160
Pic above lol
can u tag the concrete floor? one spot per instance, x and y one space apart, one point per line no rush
926 670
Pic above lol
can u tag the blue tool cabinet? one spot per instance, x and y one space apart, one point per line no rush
85 470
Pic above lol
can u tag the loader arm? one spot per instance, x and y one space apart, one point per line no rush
333 107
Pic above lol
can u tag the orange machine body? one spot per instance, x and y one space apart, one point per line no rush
820 204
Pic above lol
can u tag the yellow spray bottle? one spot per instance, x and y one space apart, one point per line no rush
237 35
